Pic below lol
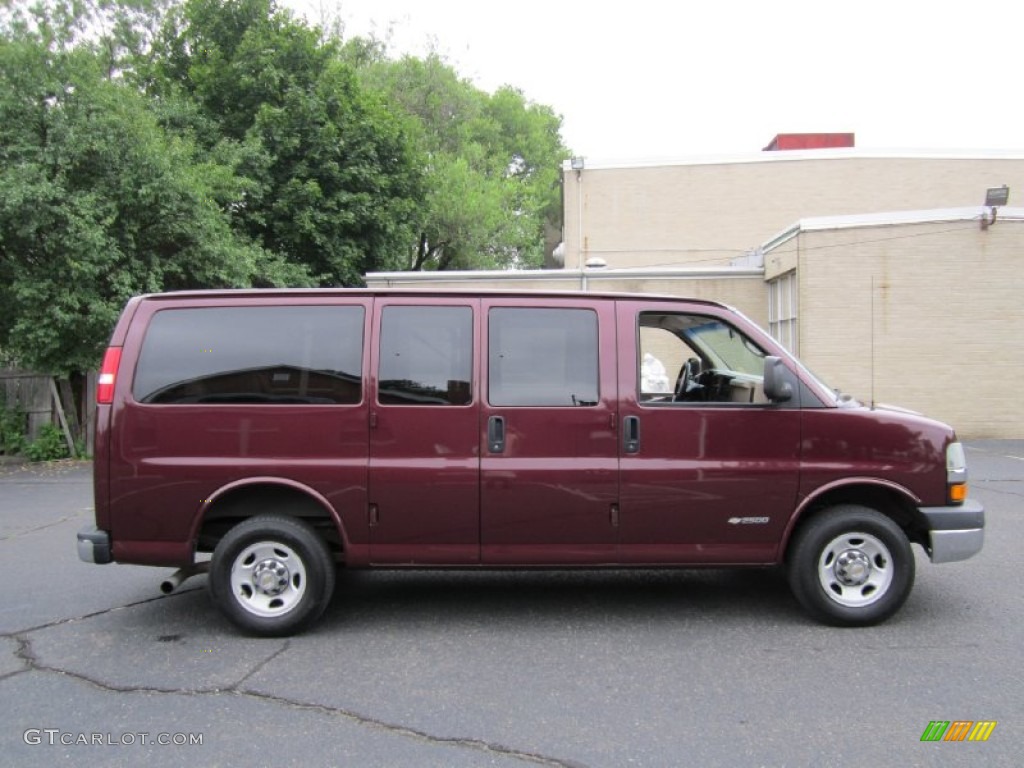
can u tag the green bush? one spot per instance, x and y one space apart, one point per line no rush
12 431
50 445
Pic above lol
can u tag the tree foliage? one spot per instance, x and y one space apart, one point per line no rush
332 183
491 162
150 145
98 203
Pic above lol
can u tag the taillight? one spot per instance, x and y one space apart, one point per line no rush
108 375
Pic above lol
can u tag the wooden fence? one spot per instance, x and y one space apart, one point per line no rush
43 402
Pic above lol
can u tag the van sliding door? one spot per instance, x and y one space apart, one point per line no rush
424 498
549 466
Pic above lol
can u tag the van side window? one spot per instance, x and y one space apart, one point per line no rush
426 356
695 359
542 357
252 355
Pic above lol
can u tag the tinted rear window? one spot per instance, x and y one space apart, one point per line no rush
543 357
263 355
426 356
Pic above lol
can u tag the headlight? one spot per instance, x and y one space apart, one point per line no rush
956 473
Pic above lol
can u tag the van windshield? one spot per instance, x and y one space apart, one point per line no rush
727 348
838 397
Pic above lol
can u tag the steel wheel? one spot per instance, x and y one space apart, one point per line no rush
268 579
850 566
271 575
856 569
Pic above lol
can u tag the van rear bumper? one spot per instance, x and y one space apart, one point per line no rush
94 546
955 533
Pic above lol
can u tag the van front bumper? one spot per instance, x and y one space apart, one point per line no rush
955 533
94 545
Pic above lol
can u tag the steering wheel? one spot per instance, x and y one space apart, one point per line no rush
687 378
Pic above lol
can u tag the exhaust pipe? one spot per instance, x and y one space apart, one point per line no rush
175 580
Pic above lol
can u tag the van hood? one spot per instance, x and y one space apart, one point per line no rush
896 409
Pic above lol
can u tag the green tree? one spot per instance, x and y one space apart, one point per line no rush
97 202
332 184
491 162
150 145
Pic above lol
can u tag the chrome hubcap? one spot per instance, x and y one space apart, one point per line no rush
855 569
268 579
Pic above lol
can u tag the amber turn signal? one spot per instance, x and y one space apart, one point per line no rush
958 492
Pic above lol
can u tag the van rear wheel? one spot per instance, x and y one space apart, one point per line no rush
271 575
851 566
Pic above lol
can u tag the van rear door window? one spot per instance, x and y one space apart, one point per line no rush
542 357
309 355
426 355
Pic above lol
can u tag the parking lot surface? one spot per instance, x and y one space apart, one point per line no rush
590 668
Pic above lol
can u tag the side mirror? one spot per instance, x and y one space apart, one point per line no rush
778 387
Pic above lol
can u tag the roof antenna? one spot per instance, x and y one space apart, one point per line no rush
872 342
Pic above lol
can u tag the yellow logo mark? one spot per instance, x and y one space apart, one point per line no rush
982 730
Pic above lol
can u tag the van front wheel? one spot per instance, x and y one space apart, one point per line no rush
271 575
851 566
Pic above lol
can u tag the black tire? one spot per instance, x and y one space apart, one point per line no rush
271 575
850 566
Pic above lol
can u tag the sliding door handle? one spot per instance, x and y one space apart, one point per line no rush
631 434
496 434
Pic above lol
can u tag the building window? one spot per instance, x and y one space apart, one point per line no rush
782 311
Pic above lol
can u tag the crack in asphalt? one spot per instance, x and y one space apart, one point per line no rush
987 485
102 612
31 663
24 647
42 527
257 668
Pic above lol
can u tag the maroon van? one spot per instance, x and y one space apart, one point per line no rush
271 436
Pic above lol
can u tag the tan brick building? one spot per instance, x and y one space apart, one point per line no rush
924 311
709 211
881 270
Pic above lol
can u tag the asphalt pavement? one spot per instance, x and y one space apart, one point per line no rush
420 669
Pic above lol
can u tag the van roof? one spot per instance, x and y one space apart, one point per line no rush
462 293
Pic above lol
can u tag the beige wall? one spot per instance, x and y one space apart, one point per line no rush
706 213
947 318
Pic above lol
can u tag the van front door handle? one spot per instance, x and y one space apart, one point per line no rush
496 434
